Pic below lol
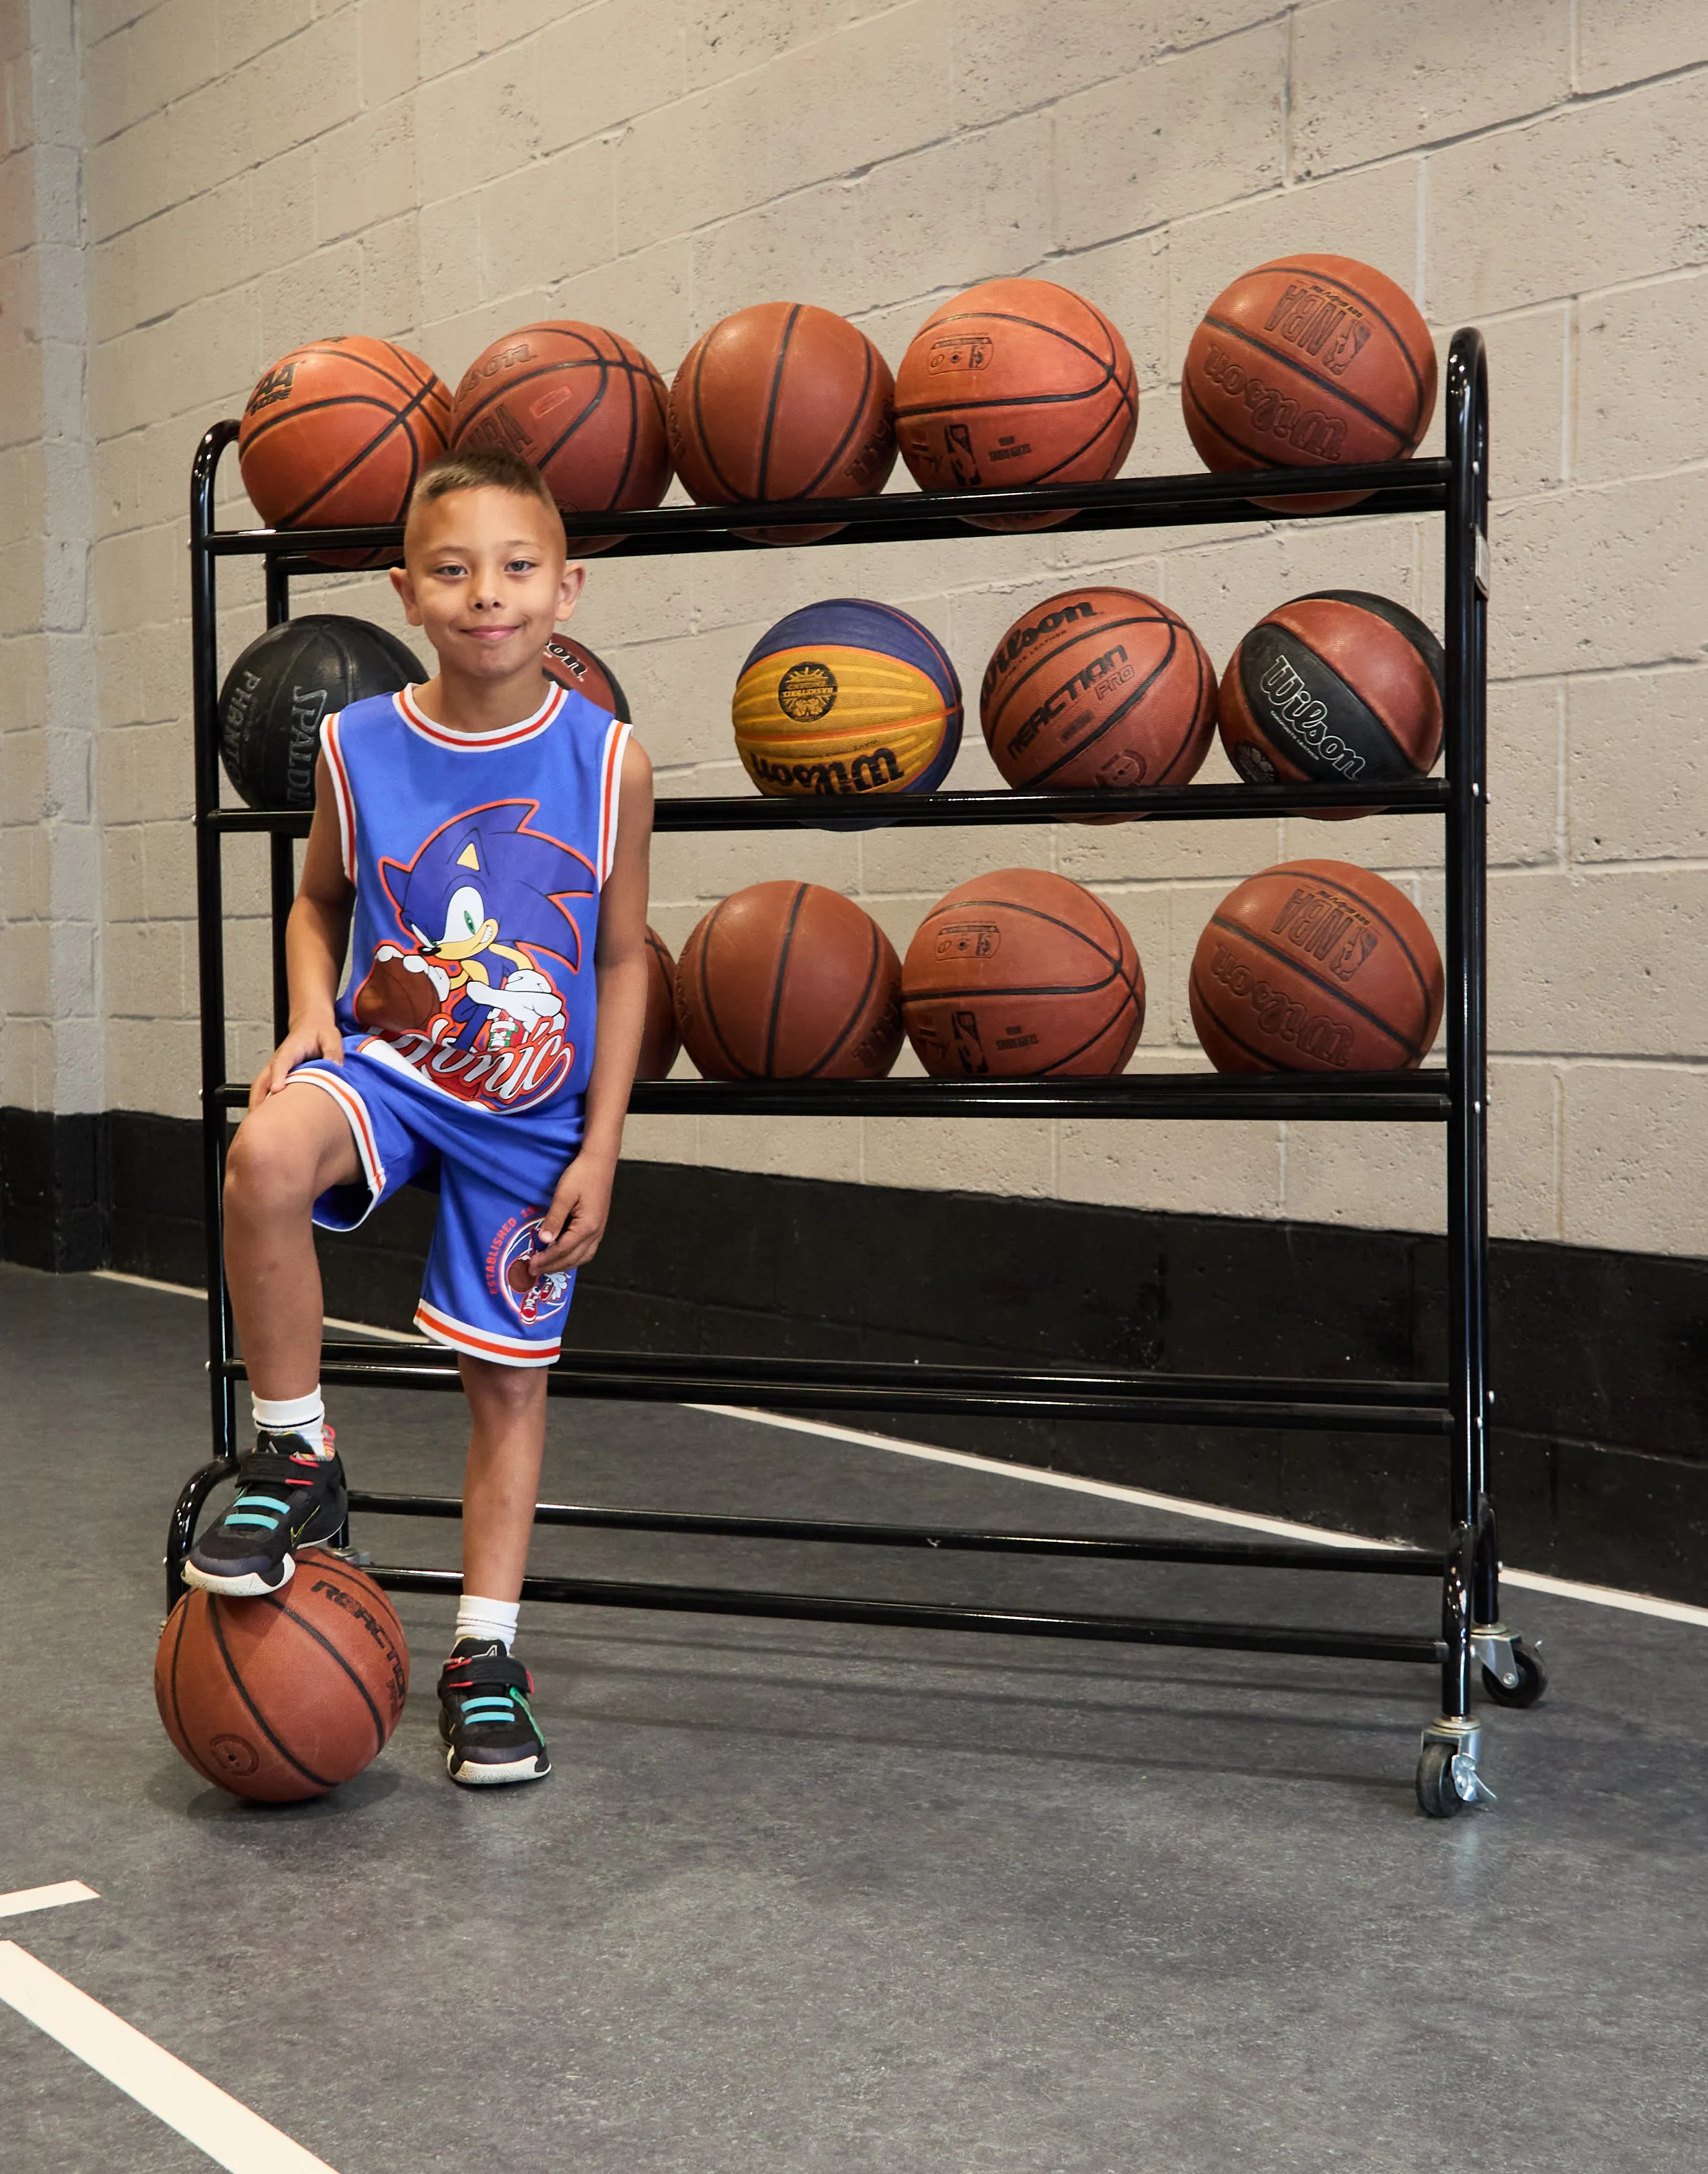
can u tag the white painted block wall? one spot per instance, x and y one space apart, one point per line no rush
257 172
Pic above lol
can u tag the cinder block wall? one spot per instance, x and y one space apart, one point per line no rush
442 171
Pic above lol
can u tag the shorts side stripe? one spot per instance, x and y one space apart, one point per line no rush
483 1342
356 1116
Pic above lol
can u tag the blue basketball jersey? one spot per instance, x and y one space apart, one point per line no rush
478 860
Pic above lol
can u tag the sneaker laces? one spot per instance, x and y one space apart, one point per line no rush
488 1688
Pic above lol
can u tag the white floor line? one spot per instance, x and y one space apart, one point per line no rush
1178 1506
186 1291
22 1899
227 2131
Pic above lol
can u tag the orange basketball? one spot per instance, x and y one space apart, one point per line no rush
1309 362
1316 966
783 401
789 980
336 433
285 1696
659 1038
584 405
573 665
1014 382
1020 974
1099 687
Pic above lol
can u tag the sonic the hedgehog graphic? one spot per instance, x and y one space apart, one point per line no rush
484 904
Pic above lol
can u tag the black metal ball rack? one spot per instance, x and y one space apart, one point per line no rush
1471 1631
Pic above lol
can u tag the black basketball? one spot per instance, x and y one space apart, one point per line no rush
287 679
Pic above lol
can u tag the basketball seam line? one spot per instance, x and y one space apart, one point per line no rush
854 1016
1122 709
782 971
811 489
242 1690
321 1639
1376 311
1257 456
1337 390
703 443
1408 768
1265 1062
1337 990
207 1774
1369 905
1040 913
293 519
1161 617
1111 369
774 395
740 1071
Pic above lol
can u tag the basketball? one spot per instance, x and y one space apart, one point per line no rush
1309 362
847 697
1020 974
659 1038
397 995
584 405
573 665
1098 687
335 435
1017 381
283 1697
284 684
789 980
1335 686
783 401
1316 966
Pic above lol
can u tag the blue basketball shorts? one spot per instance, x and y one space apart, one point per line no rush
496 1172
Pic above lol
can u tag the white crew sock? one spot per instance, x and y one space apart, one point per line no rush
487 1619
304 1415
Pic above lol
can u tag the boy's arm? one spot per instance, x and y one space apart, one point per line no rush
572 1226
314 937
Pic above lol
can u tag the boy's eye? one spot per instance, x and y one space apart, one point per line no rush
523 565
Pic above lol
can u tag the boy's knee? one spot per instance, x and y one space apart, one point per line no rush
265 1169
512 1388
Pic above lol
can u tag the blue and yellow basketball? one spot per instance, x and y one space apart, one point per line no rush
847 697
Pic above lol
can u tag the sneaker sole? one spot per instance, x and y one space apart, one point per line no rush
248 1584
486 1775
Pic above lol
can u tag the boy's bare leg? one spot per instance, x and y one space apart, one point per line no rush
285 1155
501 1482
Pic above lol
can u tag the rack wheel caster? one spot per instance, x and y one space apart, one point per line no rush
1515 1676
1448 1776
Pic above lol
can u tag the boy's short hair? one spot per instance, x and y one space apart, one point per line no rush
482 469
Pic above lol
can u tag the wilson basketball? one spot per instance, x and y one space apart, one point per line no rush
1309 362
584 405
659 1038
783 401
1316 966
1337 686
335 435
1017 381
1019 975
573 665
847 697
789 980
285 1696
1099 687
281 688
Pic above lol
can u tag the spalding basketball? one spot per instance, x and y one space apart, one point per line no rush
1309 362
336 433
285 1696
1336 687
1099 687
1316 966
1020 974
783 401
573 665
283 686
1018 381
847 697
659 1038
789 980
584 405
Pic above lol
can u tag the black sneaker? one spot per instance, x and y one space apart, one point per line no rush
484 1718
287 1497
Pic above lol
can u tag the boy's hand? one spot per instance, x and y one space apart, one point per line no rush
572 1226
321 1039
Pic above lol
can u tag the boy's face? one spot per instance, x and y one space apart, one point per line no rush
484 576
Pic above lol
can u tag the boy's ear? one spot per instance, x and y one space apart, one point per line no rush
569 589
406 593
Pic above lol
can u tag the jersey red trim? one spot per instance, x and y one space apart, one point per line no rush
610 794
527 728
342 793
483 1342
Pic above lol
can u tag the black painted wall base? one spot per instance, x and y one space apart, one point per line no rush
1600 1358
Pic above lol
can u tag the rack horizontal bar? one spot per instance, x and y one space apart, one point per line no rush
1366 1097
907 517
1420 1408
906 1615
1157 803
1247 1554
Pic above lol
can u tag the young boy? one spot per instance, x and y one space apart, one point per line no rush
488 834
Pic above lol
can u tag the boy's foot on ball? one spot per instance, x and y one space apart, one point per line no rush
287 1497
484 1718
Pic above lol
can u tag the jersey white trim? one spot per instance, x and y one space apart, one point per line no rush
483 1342
525 728
611 794
343 795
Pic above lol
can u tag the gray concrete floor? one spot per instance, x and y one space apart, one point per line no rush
805 1897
